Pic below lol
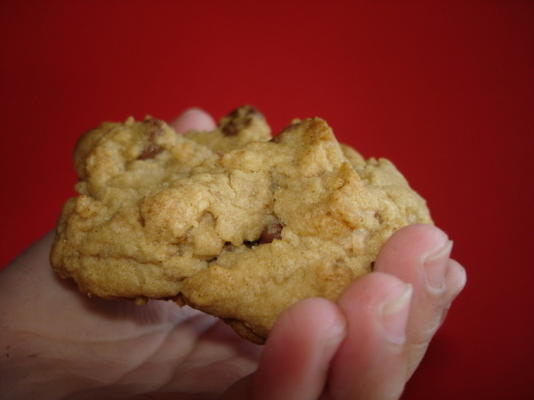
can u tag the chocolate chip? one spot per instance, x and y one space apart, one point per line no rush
230 129
228 247
153 121
270 233
247 112
239 119
155 129
379 217
250 244
150 151
372 265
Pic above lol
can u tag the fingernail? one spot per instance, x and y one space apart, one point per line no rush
394 315
435 264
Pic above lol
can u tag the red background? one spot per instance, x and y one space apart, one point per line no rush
446 91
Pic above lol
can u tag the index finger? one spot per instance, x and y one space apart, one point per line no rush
193 119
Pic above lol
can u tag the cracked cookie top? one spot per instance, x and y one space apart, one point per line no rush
233 222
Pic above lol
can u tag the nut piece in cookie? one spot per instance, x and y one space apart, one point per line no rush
229 221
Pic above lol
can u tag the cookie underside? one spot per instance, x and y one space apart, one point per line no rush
233 222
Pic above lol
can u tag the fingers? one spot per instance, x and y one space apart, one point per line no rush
455 281
419 255
193 119
295 360
370 363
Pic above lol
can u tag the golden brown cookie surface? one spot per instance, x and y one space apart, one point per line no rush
231 222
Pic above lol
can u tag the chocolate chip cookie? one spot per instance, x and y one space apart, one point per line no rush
233 222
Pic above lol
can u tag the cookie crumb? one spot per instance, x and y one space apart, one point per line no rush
140 301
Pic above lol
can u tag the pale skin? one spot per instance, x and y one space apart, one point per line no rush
57 344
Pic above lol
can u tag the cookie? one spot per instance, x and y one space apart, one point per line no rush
233 222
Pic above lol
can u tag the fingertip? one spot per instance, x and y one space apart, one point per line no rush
376 308
456 278
408 247
316 314
380 298
418 236
308 323
371 289
296 356
456 281
193 119
425 229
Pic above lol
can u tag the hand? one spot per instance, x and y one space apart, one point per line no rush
59 344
